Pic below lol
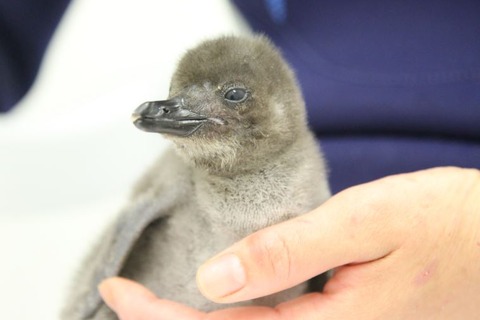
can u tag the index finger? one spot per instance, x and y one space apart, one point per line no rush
351 227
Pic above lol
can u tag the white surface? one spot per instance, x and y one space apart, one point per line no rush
68 152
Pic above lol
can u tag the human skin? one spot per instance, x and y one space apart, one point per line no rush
403 247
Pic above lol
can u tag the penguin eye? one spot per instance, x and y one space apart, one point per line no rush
236 95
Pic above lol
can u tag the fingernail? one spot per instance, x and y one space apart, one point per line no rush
221 276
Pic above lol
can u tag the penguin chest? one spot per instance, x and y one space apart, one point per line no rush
243 206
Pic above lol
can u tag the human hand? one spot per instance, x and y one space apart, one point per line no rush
403 247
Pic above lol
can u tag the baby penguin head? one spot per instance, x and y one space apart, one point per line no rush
234 104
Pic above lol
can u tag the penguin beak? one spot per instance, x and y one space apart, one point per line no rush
167 116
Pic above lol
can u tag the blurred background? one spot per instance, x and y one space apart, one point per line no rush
68 151
390 87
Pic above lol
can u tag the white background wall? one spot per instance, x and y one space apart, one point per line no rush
69 153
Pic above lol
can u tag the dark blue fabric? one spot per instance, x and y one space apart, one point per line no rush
390 86
356 159
25 30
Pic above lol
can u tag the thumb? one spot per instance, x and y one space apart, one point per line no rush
348 228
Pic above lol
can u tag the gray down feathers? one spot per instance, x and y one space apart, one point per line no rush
252 164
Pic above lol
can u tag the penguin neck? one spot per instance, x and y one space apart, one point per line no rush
251 163
224 158
249 200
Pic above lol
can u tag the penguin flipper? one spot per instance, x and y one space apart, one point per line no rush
108 257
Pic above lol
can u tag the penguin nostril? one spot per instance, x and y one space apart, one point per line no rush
165 110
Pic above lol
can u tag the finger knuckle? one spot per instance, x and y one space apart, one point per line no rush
369 203
271 252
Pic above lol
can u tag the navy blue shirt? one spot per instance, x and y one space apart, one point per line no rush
26 27
390 86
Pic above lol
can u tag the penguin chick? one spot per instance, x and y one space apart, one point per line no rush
242 159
